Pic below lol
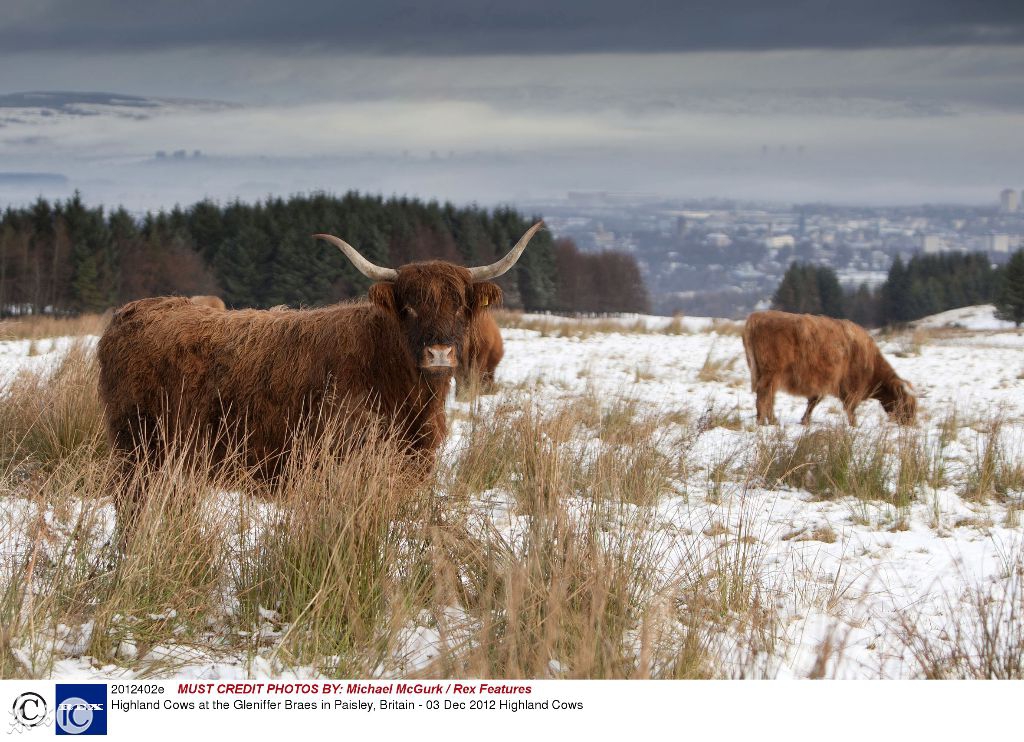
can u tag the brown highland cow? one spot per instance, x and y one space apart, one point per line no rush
812 357
170 365
214 302
484 350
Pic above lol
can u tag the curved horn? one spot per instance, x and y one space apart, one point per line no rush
487 272
362 265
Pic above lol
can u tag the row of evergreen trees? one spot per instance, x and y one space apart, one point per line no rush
926 284
929 284
67 257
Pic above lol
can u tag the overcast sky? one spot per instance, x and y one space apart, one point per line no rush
502 27
920 100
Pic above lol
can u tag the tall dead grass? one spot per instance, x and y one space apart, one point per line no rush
337 562
37 327
50 416
538 548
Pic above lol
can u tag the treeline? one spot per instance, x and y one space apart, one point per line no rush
67 257
606 281
810 289
925 285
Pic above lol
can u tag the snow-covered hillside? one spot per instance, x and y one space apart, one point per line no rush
981 317
847 575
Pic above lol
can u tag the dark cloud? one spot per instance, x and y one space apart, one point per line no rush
521 27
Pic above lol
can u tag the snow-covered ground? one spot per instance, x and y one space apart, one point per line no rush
33 356
881 570
981 317
885 575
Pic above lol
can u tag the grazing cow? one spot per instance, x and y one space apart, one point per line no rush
214 302
171 366
812 357
483 352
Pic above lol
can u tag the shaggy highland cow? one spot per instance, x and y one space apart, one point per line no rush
813 357
483 352
171 369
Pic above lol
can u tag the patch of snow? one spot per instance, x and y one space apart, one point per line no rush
979 317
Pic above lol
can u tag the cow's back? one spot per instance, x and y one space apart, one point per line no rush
804 354
173 361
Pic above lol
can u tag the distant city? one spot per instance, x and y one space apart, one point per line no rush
725 258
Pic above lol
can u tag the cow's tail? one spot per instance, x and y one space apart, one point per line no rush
748 348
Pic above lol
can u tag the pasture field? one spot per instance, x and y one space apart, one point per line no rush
611 511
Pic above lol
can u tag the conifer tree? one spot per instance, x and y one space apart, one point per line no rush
830 293
787 295
895 292
1010 297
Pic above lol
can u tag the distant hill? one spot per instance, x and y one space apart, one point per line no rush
33 179
68 102
18 107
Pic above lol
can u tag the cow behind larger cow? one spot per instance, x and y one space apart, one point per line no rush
214 302
814 357
484 350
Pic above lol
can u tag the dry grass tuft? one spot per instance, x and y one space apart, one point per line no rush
985 639
37 327
715 369
47 418
726 327
828 462
993 473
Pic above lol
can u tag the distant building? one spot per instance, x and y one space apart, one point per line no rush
1008 201
1001 242
718 239
603 239
779 241
933 243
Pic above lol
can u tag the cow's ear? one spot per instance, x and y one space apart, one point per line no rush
485 294
383 295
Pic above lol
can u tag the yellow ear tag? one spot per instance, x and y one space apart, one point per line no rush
485 302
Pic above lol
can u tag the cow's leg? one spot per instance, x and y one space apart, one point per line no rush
766 406
812 402
138 453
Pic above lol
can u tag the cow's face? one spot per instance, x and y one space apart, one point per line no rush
899 400
434 303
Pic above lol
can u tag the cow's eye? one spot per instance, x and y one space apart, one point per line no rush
410 312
